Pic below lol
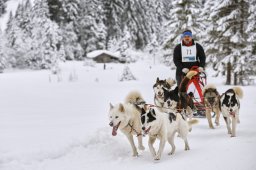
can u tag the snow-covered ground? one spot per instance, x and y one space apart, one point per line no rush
46 124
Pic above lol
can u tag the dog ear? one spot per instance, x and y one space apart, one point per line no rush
168 86
157 79
111 106
121 107
153 112
176 90
205 91
217 93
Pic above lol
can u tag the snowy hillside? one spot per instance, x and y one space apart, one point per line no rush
60 123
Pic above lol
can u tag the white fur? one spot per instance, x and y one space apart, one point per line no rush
162 129
134 97
171 82
128 115
239 92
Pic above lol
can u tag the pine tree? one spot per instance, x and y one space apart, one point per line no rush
135 18
127 75
2 7
184 15
72 48
156 13
70 9
45 38
210 35
113 10
251 30
56 11
231 17
3 61
15 46
91 30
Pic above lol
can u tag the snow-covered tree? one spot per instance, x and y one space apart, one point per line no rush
183 15
56 12
209 36
231 40
15 46
3 61
45 39
157 16
141 19
251 30
2 7
113 10
70 9
91 30
127 75
72 48
137 23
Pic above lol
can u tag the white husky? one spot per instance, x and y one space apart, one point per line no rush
164 126
126 117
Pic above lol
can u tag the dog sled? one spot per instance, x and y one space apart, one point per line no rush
196 85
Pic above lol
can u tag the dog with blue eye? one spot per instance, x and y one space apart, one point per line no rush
230 106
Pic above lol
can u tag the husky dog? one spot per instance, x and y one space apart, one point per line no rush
159 87
163 126
211 102
229 106
178 100
126 117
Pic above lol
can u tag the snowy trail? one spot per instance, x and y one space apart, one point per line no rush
64 125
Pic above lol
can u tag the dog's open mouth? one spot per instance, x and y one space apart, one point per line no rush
115 128
147 130
160 95
232 114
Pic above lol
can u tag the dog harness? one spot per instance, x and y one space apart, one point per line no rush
132 129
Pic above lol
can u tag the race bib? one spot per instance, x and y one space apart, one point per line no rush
188 53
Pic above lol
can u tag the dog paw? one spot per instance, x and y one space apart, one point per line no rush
187 148
171 153
217 123
141 148
212 127
233 136
135 154
157 157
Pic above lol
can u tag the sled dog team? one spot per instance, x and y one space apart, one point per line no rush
171 114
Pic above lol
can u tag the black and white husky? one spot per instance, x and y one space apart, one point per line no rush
178 100
159 87
230 106
163 126
157 124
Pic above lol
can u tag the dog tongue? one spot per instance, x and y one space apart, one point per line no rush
114 133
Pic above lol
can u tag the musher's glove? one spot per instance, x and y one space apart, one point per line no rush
185 70
200 69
